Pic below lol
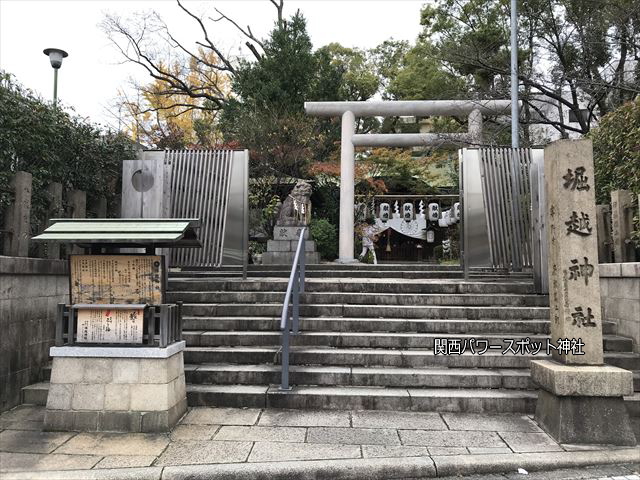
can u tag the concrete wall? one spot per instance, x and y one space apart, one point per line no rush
620 293
30 289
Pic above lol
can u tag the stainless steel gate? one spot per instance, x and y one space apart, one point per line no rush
507 199
502 191
210 185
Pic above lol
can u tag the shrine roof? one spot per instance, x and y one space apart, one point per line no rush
123 232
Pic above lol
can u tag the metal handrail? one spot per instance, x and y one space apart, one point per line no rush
295 286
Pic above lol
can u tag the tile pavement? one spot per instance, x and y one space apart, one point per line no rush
228 435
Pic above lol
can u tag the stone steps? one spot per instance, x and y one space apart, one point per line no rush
399 274
269 374
349 285
365 398
355 398
333 266
521 327
262 374
396 340
367 339
312 355
332 298
363 311
36 394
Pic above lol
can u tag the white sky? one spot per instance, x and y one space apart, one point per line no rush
90 77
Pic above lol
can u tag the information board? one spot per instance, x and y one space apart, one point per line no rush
117 279
110 326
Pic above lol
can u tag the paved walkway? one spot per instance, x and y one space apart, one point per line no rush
232 436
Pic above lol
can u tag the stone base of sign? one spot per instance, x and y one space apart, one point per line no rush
583 404
282 250
142 391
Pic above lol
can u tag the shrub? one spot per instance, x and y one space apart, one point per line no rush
616 151
326 237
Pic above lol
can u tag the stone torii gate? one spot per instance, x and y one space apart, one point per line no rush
348 111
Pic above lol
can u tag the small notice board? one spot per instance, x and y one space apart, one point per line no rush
117 279
106 325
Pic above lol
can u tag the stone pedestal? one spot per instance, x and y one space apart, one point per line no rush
122 389
580 400
282 249
583 404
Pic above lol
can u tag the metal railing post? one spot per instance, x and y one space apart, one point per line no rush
294 287
284 384
296 304
303 262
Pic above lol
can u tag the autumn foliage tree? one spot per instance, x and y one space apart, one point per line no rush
168 119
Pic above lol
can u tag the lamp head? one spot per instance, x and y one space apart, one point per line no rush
55 56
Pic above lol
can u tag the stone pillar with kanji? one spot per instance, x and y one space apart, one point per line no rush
580 398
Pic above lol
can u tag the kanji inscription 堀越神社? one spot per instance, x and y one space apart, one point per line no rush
573 273
582 319
580 225
578 270
576 180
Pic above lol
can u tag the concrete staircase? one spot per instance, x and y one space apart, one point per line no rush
367 338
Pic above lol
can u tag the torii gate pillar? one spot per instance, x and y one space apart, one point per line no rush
347 189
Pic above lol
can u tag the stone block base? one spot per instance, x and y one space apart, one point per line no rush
123 389
583 404
282 249
587 420
286 258
289 245
289 233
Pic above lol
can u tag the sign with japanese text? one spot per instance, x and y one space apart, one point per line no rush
117 279
574 287
110 326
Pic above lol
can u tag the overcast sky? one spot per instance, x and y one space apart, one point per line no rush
92 74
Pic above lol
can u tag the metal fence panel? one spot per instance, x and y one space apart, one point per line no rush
506 190
200 181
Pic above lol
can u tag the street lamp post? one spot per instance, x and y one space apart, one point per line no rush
55 57
515 142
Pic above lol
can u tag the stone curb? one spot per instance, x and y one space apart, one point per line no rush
369 469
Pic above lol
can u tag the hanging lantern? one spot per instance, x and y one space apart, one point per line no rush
407 212
456 211
434 212
442 221
385 209
431 236
449 218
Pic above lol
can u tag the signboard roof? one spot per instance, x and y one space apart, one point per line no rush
125 232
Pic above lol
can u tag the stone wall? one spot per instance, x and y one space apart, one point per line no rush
30 289
620 292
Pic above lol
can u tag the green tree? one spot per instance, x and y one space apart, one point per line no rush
266 112
388 58
421 77
55 146
573 54
359 80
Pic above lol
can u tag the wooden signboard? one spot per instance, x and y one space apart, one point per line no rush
110 326
117 279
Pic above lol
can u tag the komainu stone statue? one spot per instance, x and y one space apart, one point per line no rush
296 209
295 213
